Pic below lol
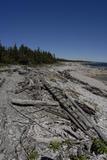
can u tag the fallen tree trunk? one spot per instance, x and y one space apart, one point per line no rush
68 111
64 116
96 91
100 134
21 102
86 108
82 113
72 133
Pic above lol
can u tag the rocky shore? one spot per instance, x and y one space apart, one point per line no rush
53 112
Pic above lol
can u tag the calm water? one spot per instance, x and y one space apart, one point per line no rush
97 64
101 77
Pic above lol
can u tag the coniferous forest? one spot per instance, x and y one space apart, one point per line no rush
25 55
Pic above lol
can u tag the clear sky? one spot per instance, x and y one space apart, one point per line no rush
74 29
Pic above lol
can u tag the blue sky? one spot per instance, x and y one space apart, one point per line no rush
73 29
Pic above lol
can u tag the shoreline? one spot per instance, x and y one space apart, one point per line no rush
58 90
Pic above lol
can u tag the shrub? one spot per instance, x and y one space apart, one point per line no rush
33 155
98 146
55 145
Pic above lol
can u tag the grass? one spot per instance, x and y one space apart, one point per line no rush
98 146
33 155
82 157
55 145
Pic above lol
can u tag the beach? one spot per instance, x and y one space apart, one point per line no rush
50 106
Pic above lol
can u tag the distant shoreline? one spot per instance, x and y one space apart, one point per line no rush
102 75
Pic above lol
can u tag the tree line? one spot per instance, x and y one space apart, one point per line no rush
25 55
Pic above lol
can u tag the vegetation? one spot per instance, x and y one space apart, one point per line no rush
82 157
33 155
98 146
55 145
24 55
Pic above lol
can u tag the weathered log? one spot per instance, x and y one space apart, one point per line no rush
72 133
67 75
75 118
82 118
69 112
100 134
21 102
86 108
83 115
96 91
64 116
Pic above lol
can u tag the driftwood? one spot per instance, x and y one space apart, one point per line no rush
54 112
24 83
72 133
86 108
71 78
75 113
27 84
97 130
21 102
20 90
79 111
96 91
100 134
67 107
30 119
85 85
2 81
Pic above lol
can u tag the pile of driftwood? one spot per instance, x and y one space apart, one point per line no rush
96 91
64 105
71 78
90 88
75 113
31 86
71 109
67 106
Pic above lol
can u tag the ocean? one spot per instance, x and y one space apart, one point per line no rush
102 65
97 64
101 77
